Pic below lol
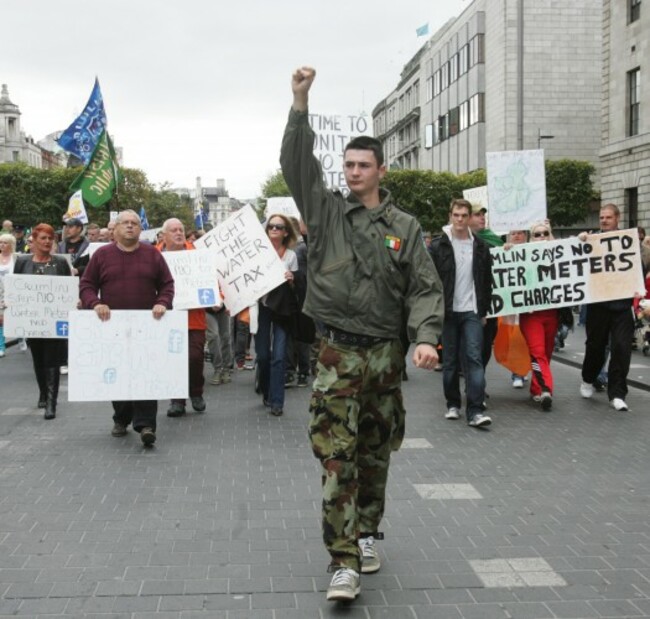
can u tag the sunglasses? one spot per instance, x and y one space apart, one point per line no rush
540 234
276 227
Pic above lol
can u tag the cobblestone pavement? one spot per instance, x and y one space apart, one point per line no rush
543 515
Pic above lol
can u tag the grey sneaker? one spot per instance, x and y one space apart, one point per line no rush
198 403
226 377
479 420
147 436
118 430
177 409
452 413
216 378
370 562
344 586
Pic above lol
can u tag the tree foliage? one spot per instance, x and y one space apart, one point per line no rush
32 195
427 194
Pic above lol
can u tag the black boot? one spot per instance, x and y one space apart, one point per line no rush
52 381
42 386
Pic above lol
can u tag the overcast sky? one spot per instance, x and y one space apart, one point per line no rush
199 87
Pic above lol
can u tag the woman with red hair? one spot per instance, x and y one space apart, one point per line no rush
48 354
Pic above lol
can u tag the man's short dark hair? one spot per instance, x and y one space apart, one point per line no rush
365 142
460 203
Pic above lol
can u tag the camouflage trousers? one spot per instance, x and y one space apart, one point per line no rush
356 419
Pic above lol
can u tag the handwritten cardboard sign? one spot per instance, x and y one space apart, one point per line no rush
132 356
38 305
248 267
567 272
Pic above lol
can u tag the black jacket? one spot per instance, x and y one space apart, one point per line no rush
442 253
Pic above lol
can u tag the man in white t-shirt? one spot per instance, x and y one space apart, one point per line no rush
464 264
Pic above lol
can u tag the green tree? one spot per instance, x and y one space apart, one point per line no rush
273 187
569 191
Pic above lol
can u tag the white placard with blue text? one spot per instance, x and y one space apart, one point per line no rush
195 278
38 305
131 356
248 267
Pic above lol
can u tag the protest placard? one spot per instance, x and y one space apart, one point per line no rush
516 189
131 356
281 206
567 272
477 196
38 305
247 265
195 278
333 132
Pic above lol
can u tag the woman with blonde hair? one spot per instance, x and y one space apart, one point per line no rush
277 310
7 249
539 329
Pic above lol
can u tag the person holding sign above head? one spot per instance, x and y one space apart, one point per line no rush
173 239
539 329
367 274
277 310
129 275
609 321
48 354
464 264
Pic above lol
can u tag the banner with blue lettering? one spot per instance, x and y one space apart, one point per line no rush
81 137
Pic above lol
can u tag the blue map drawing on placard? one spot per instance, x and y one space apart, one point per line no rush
175 341
110 376
206 296
62 328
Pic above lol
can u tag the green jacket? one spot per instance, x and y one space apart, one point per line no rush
356 282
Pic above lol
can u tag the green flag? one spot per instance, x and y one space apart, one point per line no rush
99 178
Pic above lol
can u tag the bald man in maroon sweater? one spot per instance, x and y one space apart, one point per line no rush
129 276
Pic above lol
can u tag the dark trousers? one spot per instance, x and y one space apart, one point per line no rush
614 326
142 413
242 340
489 333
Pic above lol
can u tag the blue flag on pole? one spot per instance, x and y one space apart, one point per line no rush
81 137
422 31
198 220
144 222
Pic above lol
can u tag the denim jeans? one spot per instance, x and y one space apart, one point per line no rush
270 348
462 343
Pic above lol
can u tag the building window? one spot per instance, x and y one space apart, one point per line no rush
464 115
429 88
444 127
428 136
463 60
436 131
631 201
453 69
635 9
444 76
453 121
15 156
476 48
437 81
634 98
477 109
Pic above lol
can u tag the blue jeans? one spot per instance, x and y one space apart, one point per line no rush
462 344
270 348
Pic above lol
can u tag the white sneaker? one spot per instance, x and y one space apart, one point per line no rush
22 346
64 370
619 404
452 413
370 562
344 586
518 383
479 420
2 353
586 390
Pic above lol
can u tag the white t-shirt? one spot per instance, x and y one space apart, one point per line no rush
464 298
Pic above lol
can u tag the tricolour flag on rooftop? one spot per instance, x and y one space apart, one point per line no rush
423 30
99 179
81 137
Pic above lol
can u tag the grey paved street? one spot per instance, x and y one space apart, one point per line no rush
544 515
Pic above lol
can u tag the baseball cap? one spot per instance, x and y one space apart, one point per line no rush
478 208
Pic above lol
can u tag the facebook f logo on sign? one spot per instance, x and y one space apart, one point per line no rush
206 296
62 328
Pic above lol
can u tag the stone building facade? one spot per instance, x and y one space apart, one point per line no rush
503 75
625 149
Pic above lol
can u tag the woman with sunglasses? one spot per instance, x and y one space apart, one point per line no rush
539 329
276 313
48 354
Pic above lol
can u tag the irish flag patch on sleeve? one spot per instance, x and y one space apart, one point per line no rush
392 242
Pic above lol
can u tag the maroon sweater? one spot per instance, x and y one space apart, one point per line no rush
135 280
